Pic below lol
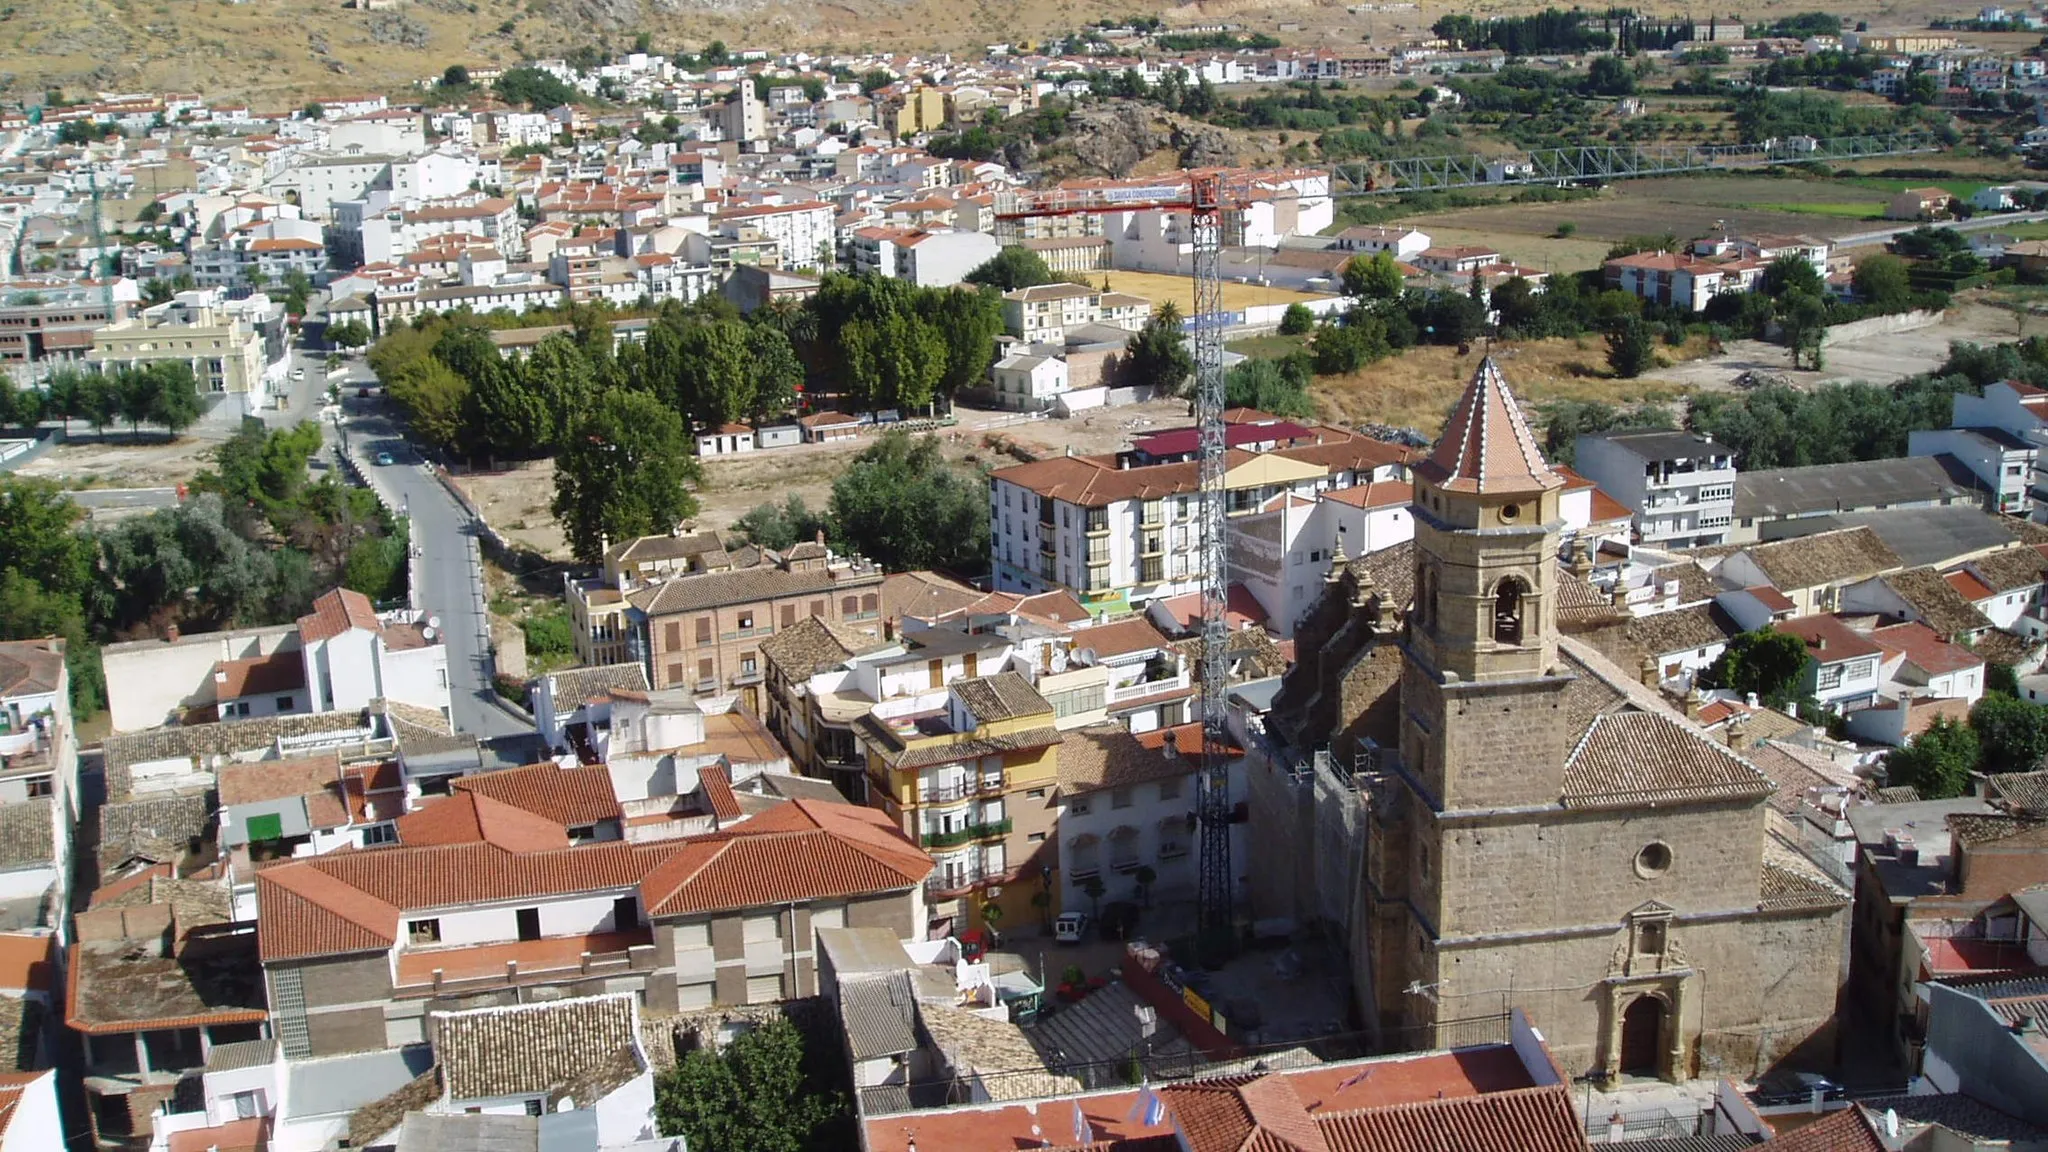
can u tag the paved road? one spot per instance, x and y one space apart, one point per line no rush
450 571
1974 224
125 499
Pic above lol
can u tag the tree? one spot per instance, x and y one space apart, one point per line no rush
1012 268
1157 357
1791 273
1938 762
1378 278
534 88
1770 663
753 1095
1881 281
1145 877
455 76
623 472
348 334
894 361
2012 734
135 392
1275 386
1631 350
64 396
435 399
314 110
1803 318
778 373
901 504
776 527
969 322
174 401
1092 887
1610 76
1297 320
2001 678
1345 348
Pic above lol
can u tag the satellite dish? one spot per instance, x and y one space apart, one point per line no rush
1085 655
433 621
428 632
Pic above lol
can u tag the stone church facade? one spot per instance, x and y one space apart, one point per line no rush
1540 830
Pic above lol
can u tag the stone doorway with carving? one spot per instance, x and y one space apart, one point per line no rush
1642 1037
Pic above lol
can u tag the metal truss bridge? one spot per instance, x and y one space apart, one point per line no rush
1599 164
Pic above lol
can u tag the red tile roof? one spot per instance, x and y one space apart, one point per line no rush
1124 636
1828 640
11 1086
569 797
471 817
1771 598
1846 1131
716 784
352 901
1487 447
1526 1120
1238 1115
25 962
1972 589
337 612
1926 649
259 676
1379 494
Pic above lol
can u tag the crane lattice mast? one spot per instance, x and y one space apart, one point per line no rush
1205 195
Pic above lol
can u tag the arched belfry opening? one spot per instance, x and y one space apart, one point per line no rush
1508 598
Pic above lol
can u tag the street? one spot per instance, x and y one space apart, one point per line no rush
450 569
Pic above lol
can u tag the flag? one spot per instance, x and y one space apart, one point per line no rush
1084 1133
1148 1108
1356 1080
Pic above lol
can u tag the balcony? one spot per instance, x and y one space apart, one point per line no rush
741 679
956 881
425 971
947 793
966 835
1048 546
1138 689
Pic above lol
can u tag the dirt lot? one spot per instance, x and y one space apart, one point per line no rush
1873 359
1417 389
516 501
120 464
1158 288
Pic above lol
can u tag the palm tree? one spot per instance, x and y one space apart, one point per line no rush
790 317
1167 314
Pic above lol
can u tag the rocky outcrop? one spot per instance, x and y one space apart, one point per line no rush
1203 146
1114 138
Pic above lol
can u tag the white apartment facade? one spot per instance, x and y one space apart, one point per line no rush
1043 313
1680 487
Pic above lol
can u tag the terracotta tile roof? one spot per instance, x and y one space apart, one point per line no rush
2025 792
1643 757
336 612
471 817
1107 756
119 987
1685 629
30 667
1827 639
743 586
1792 775
1005 696
1486 445
2004 648
1824 558
569 797
893 751
28 833
1939 600
379 1117
25 962
1523 1119
1926 649
715 782
799 851
1124 636
1243 1115
1969 828
307 912
259 676
814 644
537 1049
1097 482
2009 569
1968 586
576 686
1849 1130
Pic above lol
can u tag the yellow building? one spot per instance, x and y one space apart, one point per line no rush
226 352
918 110
970 773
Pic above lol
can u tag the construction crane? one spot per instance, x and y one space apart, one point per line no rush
1206 195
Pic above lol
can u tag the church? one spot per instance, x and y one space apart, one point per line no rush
1532 827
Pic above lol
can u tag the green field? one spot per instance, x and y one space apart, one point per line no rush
1844 210
1960 189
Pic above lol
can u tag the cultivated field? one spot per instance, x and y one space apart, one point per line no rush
1159 288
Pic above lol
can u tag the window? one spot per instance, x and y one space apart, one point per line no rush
694 935
1830 676
423 931
703 630
746 621
382 833
1507 609
1034 794
1036 838
817 607
1654 859
1078 806
675 675
764 989
1169 788
848 605
691 997
788 615
284 703
870 602
750 663
247 1105
528 920
38 786
673 632
1120 798
764 926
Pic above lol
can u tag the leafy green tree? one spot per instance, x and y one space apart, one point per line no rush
901 504
64 395
1012 268
778 373
1937 762
2001 678
1881 281
1791 273
896 361
455 76
1770 663
1269 386
1564 421
1610 76
779 526
1378 278
534 88
262 470
1158 357
1341 349
135 392
969 322
753 1095
1803 318
174 401
1631 349
435 399
1297 320
623 472
2012 734
184 564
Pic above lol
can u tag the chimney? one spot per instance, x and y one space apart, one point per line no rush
1693 700
1648 672
1618 595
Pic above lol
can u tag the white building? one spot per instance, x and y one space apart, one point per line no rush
802 232
1043 313
1680 487
339 657
1027 383
938 258
1127 800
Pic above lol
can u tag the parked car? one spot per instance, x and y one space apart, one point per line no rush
1070 927
1797 1088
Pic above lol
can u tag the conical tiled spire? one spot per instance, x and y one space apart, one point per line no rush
1487 447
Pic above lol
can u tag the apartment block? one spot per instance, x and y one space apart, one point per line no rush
1680 487
1042 314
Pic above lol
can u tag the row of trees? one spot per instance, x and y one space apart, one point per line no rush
254 545
164 394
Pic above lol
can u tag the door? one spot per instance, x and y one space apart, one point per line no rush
529 923
1642 1030
625 914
